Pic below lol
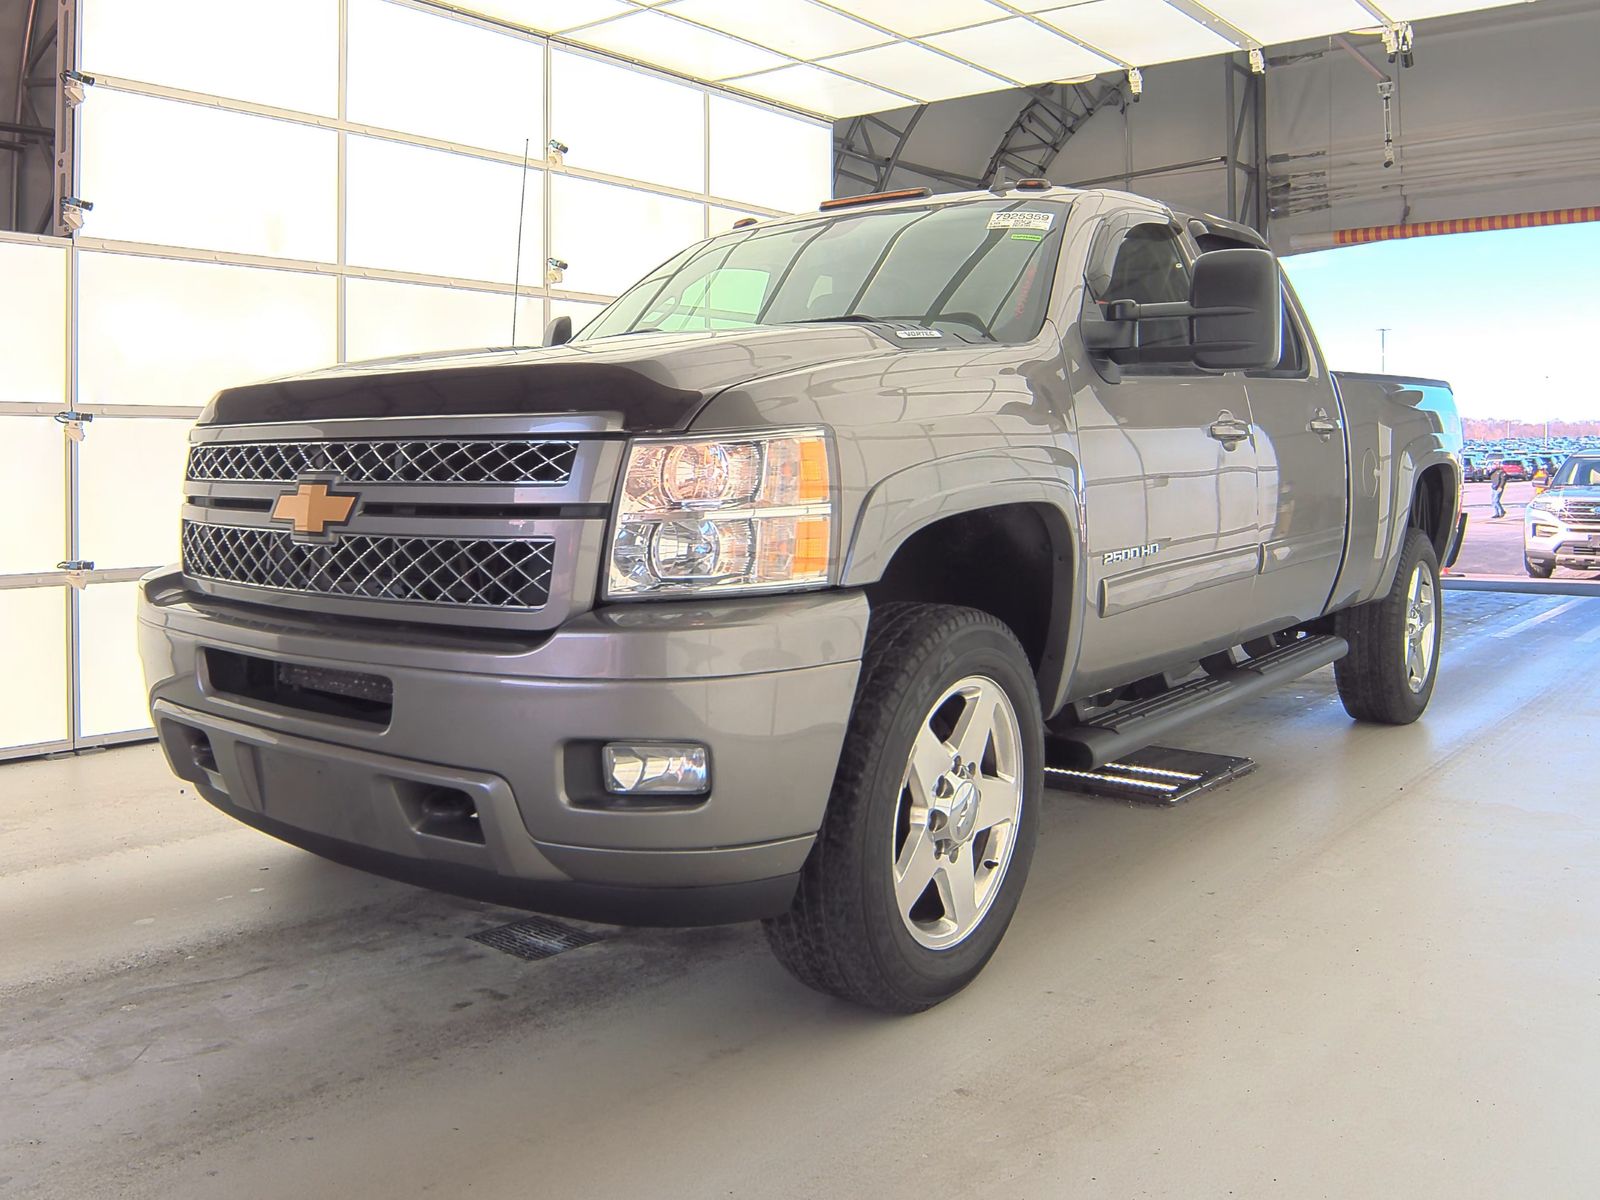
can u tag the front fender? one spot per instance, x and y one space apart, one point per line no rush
909 500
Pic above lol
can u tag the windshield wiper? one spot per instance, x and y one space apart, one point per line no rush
861 317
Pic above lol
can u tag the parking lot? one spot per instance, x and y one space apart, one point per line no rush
1493 548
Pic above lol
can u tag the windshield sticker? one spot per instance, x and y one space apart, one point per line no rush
1021 220
917 333
1027 237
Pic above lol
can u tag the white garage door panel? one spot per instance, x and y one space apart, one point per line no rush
432 212
159 331
384 319
33 491
763 157
621 122
33 324
236 48
33 702
610 237
112 698
443 78
130 488
186 175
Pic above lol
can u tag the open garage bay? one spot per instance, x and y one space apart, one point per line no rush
1367 969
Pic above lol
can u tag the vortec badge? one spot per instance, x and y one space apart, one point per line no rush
311 508
1116 556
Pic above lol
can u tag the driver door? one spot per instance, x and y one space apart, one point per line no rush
1169 466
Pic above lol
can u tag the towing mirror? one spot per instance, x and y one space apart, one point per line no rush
1234 310
1238 301
558 332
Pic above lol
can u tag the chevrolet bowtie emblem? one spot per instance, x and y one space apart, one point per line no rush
311 508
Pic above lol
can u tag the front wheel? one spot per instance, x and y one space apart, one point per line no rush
931 824
1537 568
1388 675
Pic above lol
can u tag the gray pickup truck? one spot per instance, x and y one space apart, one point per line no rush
764 596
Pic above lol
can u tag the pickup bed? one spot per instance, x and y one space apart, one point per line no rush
759 598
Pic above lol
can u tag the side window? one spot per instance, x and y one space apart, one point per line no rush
1142 260
1292 364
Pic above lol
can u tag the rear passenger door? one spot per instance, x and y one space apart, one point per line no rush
1169 491
1301 464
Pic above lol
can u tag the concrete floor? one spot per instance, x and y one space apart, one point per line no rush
1370 969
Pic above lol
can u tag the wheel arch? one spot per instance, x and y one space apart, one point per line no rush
1005 547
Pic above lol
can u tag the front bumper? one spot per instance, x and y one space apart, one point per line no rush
1547 538
509 721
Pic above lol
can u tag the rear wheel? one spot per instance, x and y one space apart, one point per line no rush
1539 569
1388 675
930 828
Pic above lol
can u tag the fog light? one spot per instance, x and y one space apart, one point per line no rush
657 768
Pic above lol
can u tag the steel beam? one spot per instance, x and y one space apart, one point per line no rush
1050 117
870 150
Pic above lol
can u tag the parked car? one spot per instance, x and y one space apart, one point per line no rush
754 599
1515 471
1561 527
1472 469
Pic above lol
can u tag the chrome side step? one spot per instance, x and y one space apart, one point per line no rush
1123 730
1154 775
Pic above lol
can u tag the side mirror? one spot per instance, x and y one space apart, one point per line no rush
558 332
1234 310
1237 297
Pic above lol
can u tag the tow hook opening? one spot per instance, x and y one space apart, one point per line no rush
443 812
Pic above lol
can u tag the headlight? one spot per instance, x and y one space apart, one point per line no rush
1547 504
730 514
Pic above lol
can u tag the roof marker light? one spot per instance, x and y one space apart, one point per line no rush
1033 185
876 197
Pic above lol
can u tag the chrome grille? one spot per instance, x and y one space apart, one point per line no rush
494 573
399 461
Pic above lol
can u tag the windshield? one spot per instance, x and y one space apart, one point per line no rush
977 271
1578 472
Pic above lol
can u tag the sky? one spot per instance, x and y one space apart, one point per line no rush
1510 319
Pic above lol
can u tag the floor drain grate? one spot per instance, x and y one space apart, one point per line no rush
535 938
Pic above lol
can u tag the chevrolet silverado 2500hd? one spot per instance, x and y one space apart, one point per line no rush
760 597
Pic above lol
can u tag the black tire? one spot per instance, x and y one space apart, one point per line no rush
845 934
1374 679
1539 570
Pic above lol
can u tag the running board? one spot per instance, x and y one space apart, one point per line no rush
1102 739
1154 775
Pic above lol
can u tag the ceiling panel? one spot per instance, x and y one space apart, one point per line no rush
795 27
1138 31
838 58
550 16
917 71
1020 50
1272 21
663 41
922 16
817 90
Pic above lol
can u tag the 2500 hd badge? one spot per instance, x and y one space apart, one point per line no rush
1116 556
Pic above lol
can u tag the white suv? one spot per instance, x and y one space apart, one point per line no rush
1561 526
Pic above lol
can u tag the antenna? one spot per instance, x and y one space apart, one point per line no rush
516 268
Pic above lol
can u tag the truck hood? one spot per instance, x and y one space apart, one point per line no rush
638 382
1573 493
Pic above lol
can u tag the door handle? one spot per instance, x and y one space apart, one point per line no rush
1228 429
1322 424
